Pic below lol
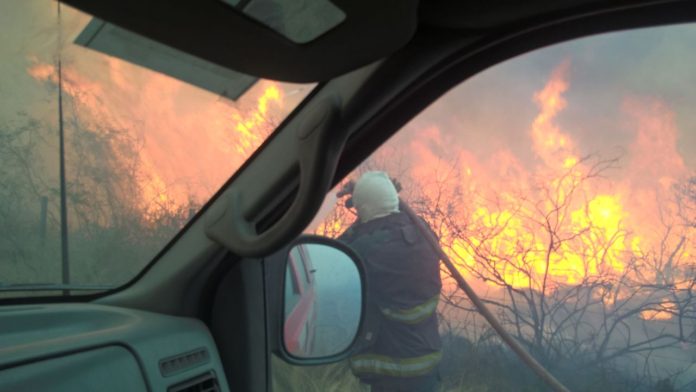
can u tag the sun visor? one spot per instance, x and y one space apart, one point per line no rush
117 42
289 41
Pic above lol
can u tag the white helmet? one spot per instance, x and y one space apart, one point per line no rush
375 196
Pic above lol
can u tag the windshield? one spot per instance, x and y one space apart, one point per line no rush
142 150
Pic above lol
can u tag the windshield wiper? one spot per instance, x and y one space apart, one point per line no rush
4 287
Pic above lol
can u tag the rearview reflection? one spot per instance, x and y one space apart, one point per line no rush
323 300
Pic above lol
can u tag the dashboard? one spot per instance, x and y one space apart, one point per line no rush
88 347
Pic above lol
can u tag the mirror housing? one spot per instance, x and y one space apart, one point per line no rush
304 326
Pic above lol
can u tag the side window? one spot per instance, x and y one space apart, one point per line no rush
562 184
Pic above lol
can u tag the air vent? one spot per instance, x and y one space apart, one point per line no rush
204 383
185 361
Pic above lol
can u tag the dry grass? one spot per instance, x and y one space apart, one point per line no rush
336 378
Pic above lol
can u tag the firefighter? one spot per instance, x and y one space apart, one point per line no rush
402 348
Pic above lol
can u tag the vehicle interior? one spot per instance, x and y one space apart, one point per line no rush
205 311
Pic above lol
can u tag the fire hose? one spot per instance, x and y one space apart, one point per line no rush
509 340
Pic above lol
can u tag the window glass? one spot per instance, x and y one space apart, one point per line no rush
143 151
562 184
292 288
299 262
298 271
301 254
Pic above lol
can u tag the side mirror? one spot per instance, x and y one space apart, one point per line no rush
323 301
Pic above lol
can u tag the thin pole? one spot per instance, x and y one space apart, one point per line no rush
63 202
43 220
528 360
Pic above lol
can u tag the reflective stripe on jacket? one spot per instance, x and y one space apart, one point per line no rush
415 314
395 367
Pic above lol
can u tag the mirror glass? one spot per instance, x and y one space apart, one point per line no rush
322 301
301 21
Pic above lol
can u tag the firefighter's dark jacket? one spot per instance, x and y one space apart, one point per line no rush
403 281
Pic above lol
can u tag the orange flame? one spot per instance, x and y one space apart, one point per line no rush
250 128
554 147
191 141
667 311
